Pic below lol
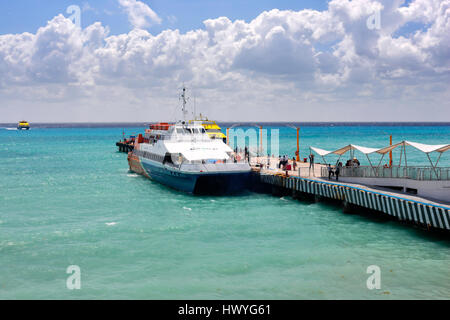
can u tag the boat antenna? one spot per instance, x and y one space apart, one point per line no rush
183 97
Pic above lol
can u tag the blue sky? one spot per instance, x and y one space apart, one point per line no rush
263 60
28 15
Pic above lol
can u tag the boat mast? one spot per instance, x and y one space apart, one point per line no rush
183 97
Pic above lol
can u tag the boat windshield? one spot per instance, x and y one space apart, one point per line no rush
190 130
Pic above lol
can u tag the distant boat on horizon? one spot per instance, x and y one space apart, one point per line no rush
23 125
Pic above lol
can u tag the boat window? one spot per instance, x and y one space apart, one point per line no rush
203 130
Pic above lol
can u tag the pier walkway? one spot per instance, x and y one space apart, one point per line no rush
427 213
124 146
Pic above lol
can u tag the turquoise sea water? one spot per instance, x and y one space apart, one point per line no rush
67 198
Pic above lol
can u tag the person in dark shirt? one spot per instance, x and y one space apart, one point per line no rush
338 170
311 163
330 171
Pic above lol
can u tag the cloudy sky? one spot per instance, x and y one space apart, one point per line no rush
126 60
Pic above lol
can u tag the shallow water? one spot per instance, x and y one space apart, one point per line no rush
67 198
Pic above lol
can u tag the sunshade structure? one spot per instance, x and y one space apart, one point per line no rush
352 147
425 148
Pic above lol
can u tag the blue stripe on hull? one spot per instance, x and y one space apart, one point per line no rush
198 183
176 180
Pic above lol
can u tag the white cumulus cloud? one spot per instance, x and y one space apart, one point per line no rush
140 14
282 65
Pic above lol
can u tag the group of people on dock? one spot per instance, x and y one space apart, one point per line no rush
352 163
238 151
334 172
286 164
283 163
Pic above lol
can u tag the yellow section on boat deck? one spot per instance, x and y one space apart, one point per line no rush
212 128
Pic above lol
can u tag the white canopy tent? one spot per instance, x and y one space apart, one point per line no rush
320 152
389 148
351 147
425 148
364 150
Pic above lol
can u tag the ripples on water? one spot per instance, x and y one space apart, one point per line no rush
68 199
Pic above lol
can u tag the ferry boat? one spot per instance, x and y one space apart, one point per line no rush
183 156
23 125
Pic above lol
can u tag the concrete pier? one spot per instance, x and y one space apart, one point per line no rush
429 214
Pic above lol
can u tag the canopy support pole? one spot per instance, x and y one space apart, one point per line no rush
401 153
371 164
337 162
381 159
434 168
437 161
378 167
406 160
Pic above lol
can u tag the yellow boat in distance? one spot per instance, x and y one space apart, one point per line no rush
212 128
23 125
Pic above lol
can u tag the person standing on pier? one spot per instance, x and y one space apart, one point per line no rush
330 172
338 170
247 154
311 163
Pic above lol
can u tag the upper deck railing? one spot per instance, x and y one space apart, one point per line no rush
414 173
